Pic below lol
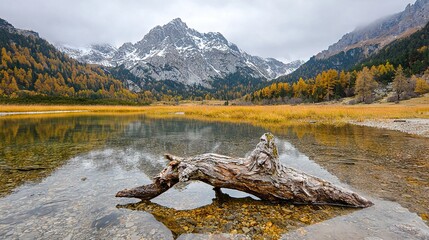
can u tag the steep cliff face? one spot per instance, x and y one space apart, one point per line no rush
382 32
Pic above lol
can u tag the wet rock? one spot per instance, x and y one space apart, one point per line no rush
129 224
31 235
135 237
108 220
68 237
228 227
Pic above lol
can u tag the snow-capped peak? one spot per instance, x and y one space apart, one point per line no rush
179 53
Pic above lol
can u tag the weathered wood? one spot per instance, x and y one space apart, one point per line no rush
260 174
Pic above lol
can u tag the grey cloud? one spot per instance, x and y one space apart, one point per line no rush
284 29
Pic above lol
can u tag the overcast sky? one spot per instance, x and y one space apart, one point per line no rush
283 29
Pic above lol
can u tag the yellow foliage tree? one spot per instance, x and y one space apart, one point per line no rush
365 85
400 83
300 88
5 58
422 86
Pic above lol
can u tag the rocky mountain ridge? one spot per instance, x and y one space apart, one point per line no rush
11 29
178 53
383 31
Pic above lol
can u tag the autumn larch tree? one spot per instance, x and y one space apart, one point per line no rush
422 86
400 83
365 86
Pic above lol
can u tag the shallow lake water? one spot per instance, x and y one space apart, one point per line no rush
59 175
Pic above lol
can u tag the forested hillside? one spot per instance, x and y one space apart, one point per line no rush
339 62
412 53
32 68
405 62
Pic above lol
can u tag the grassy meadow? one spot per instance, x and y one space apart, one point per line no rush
265 116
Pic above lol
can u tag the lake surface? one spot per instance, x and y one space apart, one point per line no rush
59 175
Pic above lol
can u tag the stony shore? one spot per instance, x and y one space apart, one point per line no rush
415 126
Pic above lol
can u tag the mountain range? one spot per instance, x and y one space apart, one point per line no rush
183 55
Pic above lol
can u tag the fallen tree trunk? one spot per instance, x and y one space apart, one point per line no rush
260 174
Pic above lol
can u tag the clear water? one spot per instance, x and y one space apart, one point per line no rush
59 175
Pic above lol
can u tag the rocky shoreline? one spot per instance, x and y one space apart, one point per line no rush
417 126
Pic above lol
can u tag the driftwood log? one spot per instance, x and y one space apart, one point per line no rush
260 174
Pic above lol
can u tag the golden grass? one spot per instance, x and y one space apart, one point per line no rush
256 115
286 114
